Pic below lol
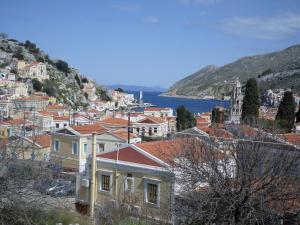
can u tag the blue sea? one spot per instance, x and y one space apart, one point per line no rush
193 105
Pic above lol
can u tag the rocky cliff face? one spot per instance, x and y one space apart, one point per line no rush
65 83
273 70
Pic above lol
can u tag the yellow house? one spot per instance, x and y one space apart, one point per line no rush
71 145
33 147
137 175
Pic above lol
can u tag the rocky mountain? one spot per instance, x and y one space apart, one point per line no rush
65 83
273 70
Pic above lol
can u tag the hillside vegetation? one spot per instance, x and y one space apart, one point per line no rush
273 70
65 83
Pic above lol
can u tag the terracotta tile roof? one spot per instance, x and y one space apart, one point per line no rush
114 121
128 154
61 118
291 138
47 113
164 150
55 107
151 119
89 129
156 109
123 134
14 122
217 132
43 140
93 111
168 150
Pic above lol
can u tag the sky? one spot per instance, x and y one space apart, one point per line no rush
151 42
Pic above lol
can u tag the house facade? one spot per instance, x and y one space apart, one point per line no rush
71 146
35 70
158 112
129 175
151 127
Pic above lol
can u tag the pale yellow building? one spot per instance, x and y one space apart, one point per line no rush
137 175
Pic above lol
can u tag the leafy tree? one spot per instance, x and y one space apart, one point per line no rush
102 94
49 88
86 95
77 78
250 107
19 54
14 71
37 85
185 119
85 80
62 66
298 114
285 117
119 90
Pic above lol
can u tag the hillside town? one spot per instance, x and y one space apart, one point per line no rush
128 112
117 153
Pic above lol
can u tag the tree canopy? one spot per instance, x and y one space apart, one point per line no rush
62 66
37 85
285 117
250 107
185 119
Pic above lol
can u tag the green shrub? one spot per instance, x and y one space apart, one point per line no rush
37 85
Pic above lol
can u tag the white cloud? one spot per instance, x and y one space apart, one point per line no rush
151 19
268 28
128 8
203 2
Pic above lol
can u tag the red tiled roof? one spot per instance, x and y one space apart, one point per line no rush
89 129
114 121
43 140
291 138
128 154
61 118
123 134
217 132
55 107
151 119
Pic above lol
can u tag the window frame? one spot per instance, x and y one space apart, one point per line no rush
74 142
98 149
85 151
58 145
126 188
100 182
153 182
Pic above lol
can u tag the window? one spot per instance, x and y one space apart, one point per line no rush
155 129
129 183
56 145
57 125
85 148
105 182
74 148
100 147
152 192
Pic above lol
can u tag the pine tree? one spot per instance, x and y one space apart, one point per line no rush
250 107
185 119
285 117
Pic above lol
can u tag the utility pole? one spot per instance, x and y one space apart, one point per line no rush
93 175
128 128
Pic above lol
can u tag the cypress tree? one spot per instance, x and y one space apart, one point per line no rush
185 119
285 117
298 114
250 107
